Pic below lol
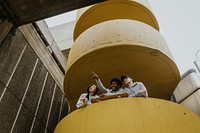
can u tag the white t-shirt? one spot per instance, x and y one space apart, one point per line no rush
80 102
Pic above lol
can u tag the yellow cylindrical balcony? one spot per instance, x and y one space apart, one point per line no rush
114 9
131 115
117 47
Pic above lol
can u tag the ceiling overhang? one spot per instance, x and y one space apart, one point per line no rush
21 12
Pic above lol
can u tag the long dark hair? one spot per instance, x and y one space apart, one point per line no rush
88 91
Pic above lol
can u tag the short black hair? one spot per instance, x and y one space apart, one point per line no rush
119 82
125 76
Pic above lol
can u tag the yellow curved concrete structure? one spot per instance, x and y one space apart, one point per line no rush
117 47
131 115
120 37
114 9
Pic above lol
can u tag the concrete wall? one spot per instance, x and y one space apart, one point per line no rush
52 43
187 93
31 100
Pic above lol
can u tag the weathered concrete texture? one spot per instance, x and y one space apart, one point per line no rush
2 87
38 127
54 116
1 18
65 109
22 74
8 111
24 121
46 100
10 51
5 27
23 11
44 29
66 53
35 88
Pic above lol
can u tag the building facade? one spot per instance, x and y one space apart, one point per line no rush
31 96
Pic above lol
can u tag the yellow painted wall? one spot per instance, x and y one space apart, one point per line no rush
114 9
118 47
118 37
131 115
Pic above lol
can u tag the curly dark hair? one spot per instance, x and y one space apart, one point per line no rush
119 82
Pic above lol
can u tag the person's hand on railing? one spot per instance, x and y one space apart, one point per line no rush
106 97
84 100
141 93
101 95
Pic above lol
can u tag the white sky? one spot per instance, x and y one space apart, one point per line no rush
179 22
61 19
